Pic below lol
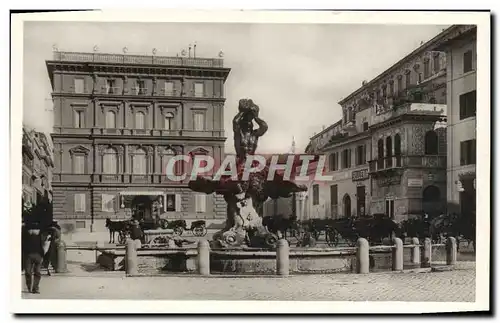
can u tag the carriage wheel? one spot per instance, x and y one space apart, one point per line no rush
200 231
163 223
331 238
178 231
159 241
122 238
316 234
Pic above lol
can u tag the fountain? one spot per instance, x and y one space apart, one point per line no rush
244 197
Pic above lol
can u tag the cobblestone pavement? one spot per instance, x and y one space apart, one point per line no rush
449 286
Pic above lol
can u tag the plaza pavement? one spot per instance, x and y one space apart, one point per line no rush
450 286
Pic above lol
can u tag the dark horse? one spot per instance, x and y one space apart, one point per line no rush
280 224
116 227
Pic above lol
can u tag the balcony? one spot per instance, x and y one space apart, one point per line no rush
113 90
140 91
137 59
396 162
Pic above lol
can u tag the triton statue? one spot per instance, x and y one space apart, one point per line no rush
245 197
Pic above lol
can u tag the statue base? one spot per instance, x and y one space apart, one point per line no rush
258 237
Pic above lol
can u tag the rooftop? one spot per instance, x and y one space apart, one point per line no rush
137 59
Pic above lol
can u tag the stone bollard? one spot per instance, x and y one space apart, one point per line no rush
451 251
131 258
61 265
282 258
203 258
397 254
415 251
363 256
99 245
171 244
427 254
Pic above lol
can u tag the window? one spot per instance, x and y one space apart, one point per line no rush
200 203
315 194
347 206
431 143
140 87
333 199
436 64
419 78
333 161
139 120
79 119
80 202
397 149
468 105
384 92
110 119
199 121
110 161
169 118
346 158
360 155
389 208
199 90
110 87
169 88
365 126
391 88
400 83
468 61
408 79
173 203
108 203
388 151
427 68
79 164
468 152
79 85
139 162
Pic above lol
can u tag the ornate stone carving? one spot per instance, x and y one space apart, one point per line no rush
79 150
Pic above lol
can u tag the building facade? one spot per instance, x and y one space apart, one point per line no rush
118 120
37 166
461 88
388 152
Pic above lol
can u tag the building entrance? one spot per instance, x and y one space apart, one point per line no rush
142 208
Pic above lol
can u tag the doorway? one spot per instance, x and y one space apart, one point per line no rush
141 208
361 197
347 206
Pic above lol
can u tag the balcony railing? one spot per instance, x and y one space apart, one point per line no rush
386 163
137 59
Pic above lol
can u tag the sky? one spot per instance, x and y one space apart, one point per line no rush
296 73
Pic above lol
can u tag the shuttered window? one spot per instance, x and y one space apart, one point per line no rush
468 61
108 203
169 88
139 120
79 85
80 202
199 90
467 105
199 121
200 203
78 164
468 152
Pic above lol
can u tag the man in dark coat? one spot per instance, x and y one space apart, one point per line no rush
32 246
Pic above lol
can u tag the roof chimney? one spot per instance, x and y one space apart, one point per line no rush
364 83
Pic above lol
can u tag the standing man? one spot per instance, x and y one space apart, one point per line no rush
33 251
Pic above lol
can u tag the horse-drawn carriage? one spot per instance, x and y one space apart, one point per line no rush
122 228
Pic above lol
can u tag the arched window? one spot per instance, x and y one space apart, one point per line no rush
347 205
431 143
139 120
110 119
110 161
139 162
380 153
388 151
397 149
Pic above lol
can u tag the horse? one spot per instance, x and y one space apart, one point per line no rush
279 224
116 227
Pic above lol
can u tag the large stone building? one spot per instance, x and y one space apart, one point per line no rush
388 152
118 119
37 166
461 52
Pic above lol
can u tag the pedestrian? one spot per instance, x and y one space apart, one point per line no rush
136 233
33 252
